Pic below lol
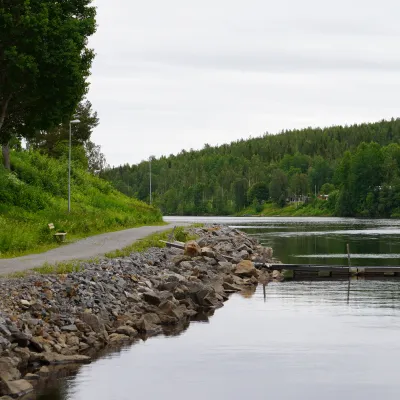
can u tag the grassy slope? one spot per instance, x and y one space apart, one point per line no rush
317 209
35 194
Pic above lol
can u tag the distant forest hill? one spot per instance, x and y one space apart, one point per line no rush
358 166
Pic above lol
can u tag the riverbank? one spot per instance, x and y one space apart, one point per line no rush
318 208
66 319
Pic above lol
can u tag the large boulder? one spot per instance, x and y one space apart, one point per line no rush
118 337
56 359
8 370
93 321
17 388
192 249
246 268
152 298
149 324
127 330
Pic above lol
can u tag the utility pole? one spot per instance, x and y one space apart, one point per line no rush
150 177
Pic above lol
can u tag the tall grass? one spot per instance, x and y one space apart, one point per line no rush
35 194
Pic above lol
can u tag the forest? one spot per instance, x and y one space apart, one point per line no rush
345 170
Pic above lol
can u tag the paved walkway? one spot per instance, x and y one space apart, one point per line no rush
90 247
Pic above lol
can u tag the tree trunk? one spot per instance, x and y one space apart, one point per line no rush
6 156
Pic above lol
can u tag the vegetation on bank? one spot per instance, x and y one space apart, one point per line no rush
35 194
357 167
315 209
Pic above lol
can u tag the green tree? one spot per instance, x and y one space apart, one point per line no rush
259 191
44 64
327 188
240 190
52 142
299 184
278 187
95 158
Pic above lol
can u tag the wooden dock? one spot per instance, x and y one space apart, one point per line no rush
317 270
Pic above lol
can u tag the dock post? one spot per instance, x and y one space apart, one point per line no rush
349 262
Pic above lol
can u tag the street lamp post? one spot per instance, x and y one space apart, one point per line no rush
75 121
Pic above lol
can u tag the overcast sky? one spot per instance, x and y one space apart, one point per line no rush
176 74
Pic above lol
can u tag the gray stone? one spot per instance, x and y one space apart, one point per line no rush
207 252
69 328
4 330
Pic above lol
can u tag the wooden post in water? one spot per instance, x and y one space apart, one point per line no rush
265 294
349 262
348 256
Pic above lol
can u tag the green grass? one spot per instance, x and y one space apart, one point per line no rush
35 194
317 209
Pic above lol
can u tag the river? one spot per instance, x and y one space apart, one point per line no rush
293 340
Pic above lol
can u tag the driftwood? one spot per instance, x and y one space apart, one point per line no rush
181 245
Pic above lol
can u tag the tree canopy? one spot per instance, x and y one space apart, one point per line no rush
44 63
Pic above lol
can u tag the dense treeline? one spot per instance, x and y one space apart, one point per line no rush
358 166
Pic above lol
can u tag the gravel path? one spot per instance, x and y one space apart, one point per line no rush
90 247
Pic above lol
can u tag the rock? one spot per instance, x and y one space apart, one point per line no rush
30 377
55 359
4 330
207 252
276 275
179 258
95 323
72 340
69 328
229 288
117 337
24 355
36 344
8 371
44 371
192 249
16 388
149 324
225 266
151 298
20 338
127 330
246 268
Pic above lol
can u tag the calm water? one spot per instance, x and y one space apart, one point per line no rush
298 340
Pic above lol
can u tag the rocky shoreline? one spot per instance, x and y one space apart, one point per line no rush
48 320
